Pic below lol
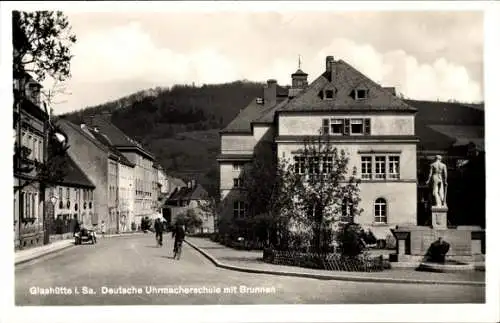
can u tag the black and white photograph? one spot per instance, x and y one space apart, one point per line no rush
216 153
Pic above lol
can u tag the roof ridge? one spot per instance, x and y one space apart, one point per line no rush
80 130
377 85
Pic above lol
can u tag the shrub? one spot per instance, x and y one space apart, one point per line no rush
350 240
390 242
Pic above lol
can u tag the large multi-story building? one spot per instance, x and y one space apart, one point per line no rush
136 155
99 163
30 148
120 185
369 122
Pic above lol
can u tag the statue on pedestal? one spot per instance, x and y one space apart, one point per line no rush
438 177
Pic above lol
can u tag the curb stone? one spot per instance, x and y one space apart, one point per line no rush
331 276
43 254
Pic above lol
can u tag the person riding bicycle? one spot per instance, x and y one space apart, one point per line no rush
178 234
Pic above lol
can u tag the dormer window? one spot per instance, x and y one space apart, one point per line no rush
361 94
329 94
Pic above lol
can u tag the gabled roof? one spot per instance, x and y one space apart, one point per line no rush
116 154
87 134
268 116
117 137
74 175
176 181
189 193
346 79
242 121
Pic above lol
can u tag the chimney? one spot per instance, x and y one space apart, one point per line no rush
189 184
82 125
330 67
270 92
390 89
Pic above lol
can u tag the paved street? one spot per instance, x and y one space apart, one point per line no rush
135 263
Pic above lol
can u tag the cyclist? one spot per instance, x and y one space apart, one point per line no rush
178 234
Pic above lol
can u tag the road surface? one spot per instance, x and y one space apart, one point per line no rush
133 271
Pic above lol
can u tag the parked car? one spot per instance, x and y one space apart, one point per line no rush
85 235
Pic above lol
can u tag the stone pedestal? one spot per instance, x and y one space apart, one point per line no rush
466 243
439 217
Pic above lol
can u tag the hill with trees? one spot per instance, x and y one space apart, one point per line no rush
180 125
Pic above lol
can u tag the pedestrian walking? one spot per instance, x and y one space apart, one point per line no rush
159 232
75 225
103 228
178 234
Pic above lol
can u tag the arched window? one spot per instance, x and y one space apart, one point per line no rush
380 211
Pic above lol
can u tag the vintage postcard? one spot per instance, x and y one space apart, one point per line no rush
290 154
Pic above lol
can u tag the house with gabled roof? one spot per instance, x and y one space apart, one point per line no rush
374 126
73 196
97 162
193 196
143 173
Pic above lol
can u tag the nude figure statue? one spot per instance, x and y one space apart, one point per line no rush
438 177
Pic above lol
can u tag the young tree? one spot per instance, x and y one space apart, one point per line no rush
41 47
190 219
268 201
321 192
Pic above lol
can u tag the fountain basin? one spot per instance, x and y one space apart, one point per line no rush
447 266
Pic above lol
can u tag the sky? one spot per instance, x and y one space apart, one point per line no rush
427 55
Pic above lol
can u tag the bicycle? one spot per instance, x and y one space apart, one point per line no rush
178 250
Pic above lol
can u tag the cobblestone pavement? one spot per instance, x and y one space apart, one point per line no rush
136 263
253 259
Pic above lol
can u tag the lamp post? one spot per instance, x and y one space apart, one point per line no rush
48 218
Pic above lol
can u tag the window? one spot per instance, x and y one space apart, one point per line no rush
67 193
314 166
329 94
326 126
40 150
380 167
337 127
366 167
239 209
35 148
327 165
300 165
361 94
380 211
28 205
393 167
333 126
29 144
357 127
60 193
237 166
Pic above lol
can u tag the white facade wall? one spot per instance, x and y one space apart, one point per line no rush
126 196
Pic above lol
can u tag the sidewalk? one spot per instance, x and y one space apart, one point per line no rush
251 261
22 256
